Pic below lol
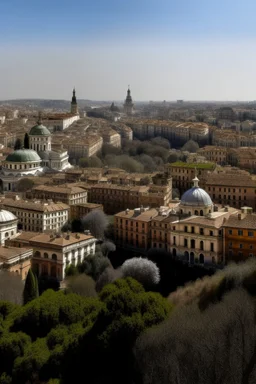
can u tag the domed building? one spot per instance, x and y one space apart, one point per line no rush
40 141
20 163
196 201
8 225
196 236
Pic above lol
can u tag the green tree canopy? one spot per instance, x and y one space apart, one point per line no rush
31 287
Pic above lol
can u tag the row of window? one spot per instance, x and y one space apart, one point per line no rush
241 232
230 245
45 255
226 189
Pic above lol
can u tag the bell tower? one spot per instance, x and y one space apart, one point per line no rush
74 108
128 104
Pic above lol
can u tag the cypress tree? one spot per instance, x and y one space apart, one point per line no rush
26 141
31 288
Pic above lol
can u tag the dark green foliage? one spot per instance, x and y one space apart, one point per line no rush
190 146
71 270
24 184
92 162
6 308
48 282
18 144
38 317
31 287
94 265
5 379
31 367
12 345
128 310
26 141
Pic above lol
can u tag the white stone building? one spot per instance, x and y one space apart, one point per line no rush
20 163
37 216
53 253
40 141
8 226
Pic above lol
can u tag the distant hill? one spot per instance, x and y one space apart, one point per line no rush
49 104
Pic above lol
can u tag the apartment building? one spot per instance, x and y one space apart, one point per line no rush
233 187
175 131
199 239
214 154
116 198
37 216
77 211
144 228
132 228
65 193
240 235
182 173
232 139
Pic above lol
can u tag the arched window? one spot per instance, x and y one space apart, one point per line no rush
12 233
6 234
181 211
196 212
186 255
192 243
54 256
201 245
46 255
201 258
37 254
201 212
192 258
174 252
185 242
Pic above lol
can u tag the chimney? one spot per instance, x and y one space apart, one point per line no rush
239 216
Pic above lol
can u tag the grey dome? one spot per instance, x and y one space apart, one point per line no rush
196 196
6 216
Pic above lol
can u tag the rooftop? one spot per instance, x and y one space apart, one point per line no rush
8 253
241 221
181 164
60 240
38 206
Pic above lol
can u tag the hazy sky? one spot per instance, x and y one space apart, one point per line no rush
165 49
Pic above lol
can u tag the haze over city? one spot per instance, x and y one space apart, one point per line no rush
165 50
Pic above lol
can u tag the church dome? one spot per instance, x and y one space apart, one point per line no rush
6 216
39 130
196 197
23 156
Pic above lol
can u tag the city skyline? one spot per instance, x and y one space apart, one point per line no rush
165 50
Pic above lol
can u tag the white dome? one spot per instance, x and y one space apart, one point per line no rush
196 197
6 216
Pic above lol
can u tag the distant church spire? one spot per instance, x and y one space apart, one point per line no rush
128 104
74 109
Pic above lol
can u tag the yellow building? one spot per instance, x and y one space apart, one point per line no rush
16 260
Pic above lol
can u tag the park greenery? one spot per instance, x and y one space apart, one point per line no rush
139 156
203 333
